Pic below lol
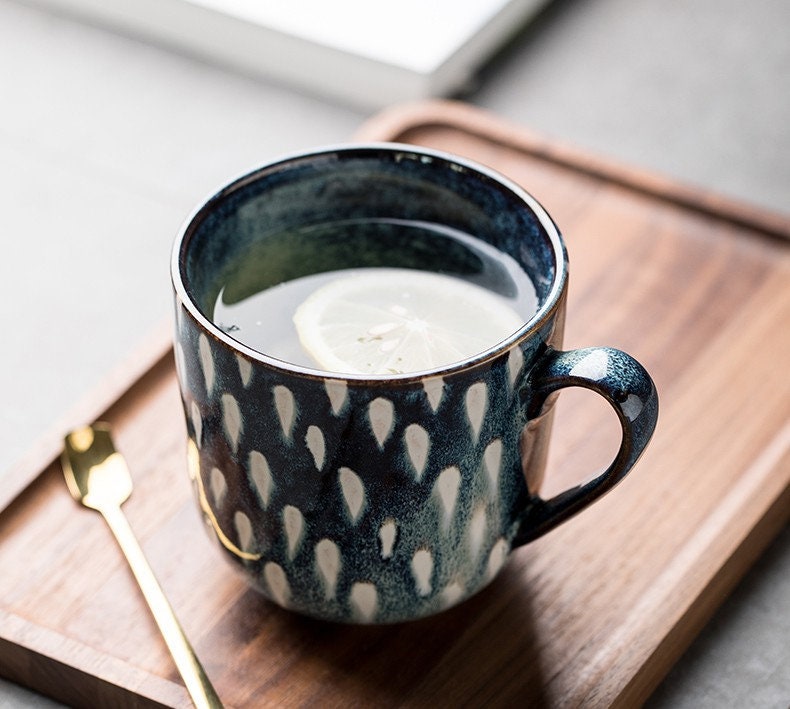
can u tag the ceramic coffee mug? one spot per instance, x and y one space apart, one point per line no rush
378 499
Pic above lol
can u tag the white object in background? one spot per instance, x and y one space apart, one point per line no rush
364 52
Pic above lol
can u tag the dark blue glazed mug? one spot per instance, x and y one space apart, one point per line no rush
379 499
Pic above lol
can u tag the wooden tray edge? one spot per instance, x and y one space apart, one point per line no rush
694 618
66 670
393 123
727 533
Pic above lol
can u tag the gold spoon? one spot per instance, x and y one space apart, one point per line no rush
98 477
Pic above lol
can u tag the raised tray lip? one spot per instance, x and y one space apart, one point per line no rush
74 660
156 349
395 122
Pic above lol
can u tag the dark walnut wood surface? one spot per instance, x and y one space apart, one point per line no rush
594 614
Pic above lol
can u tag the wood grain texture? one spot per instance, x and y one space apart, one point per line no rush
593 614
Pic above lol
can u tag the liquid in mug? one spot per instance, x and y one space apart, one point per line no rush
384 319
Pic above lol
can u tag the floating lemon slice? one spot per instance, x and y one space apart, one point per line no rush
394 321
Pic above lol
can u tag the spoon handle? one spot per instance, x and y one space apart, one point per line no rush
197 683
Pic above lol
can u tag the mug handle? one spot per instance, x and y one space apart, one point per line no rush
625 384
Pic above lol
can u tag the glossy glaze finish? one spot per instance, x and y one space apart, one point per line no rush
387 498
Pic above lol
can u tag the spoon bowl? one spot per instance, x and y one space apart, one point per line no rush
97 476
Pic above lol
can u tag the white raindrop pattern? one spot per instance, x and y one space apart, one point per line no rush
452 593
476 404
231 420
219 486
477 530
337 391
364 601
496 559
446 490
417 444
286 409
197 423
314 438
464 534
261 476
327 562
388 533
207 363
492 459
515 362
245 370
181 365
277 582
434 391
381 413
244 532
422 569
353 493
293 526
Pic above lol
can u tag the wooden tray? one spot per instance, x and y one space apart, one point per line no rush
595 613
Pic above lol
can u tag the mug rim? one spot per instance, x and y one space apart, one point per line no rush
217 196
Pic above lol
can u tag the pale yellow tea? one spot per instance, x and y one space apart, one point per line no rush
385 319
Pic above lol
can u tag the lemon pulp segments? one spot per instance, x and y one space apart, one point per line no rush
394 321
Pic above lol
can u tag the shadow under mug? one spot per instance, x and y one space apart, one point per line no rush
378 499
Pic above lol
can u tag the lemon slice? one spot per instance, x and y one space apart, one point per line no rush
393 321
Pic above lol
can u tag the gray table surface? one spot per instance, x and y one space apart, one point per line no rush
107 143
